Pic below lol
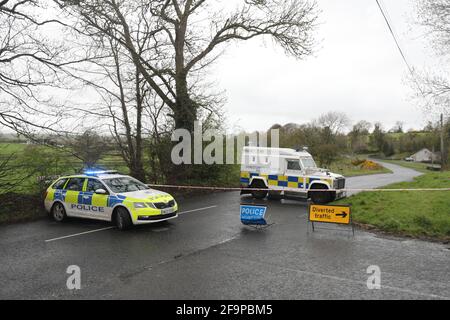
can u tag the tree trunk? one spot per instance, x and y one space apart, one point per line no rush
185 115
137 171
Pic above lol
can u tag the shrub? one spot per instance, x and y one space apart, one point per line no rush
370 165
357 162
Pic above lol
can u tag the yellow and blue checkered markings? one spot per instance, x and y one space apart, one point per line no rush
60 195
87 198
245 178
113 200
282 180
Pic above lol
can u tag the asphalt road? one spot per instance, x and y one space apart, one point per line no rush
208 254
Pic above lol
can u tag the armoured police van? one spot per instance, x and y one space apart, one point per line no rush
286 173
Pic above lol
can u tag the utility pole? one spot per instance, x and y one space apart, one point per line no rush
443 153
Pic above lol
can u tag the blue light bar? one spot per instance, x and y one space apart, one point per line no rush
94 173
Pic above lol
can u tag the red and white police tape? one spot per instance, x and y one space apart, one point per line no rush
314 190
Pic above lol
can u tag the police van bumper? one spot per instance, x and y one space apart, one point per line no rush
340 194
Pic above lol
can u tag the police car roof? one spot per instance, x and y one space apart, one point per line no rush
110 176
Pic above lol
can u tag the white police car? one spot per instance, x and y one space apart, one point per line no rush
108 196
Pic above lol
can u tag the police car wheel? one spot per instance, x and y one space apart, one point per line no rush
58 212
123 220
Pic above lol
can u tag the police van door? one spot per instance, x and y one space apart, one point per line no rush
96 204
73 200
294 173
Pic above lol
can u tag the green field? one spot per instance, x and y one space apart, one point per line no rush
409 213
11 148
28 162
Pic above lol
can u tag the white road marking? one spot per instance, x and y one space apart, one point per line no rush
79 234
160 230
200 209
109 228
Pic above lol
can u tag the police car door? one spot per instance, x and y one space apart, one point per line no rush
294 173
73 199
96 204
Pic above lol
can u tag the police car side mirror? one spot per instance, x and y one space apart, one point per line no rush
101 191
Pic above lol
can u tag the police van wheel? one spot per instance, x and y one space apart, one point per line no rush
321 197
258 194
58 212
123 220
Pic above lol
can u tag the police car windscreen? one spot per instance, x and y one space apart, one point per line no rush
125 184
308 163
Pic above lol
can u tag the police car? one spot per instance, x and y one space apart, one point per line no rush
108 196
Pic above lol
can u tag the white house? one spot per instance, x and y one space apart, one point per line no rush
426 155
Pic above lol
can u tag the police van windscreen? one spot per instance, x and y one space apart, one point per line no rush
125 184
308 163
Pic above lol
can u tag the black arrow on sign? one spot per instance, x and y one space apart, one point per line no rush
343 215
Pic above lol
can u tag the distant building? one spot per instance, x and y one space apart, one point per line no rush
426 155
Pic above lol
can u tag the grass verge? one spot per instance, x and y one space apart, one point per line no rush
418 214
345 167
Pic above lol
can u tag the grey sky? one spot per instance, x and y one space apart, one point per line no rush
356 69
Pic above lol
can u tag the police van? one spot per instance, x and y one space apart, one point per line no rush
286 173
108 196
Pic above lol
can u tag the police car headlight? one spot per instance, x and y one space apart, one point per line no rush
139 205
151 205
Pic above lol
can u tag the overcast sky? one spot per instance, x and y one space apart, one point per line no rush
356 69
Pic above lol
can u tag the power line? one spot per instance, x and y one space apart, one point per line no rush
394 36
399 47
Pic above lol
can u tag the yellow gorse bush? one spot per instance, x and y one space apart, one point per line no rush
370 165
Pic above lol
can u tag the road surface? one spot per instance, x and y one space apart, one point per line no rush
208 254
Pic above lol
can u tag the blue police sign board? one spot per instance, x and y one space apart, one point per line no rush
253 215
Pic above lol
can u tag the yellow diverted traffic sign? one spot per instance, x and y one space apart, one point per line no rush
330 214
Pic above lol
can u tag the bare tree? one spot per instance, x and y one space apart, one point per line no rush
334 120
30 60
124 94
125 103
185 37
433 91
89 147
434 15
